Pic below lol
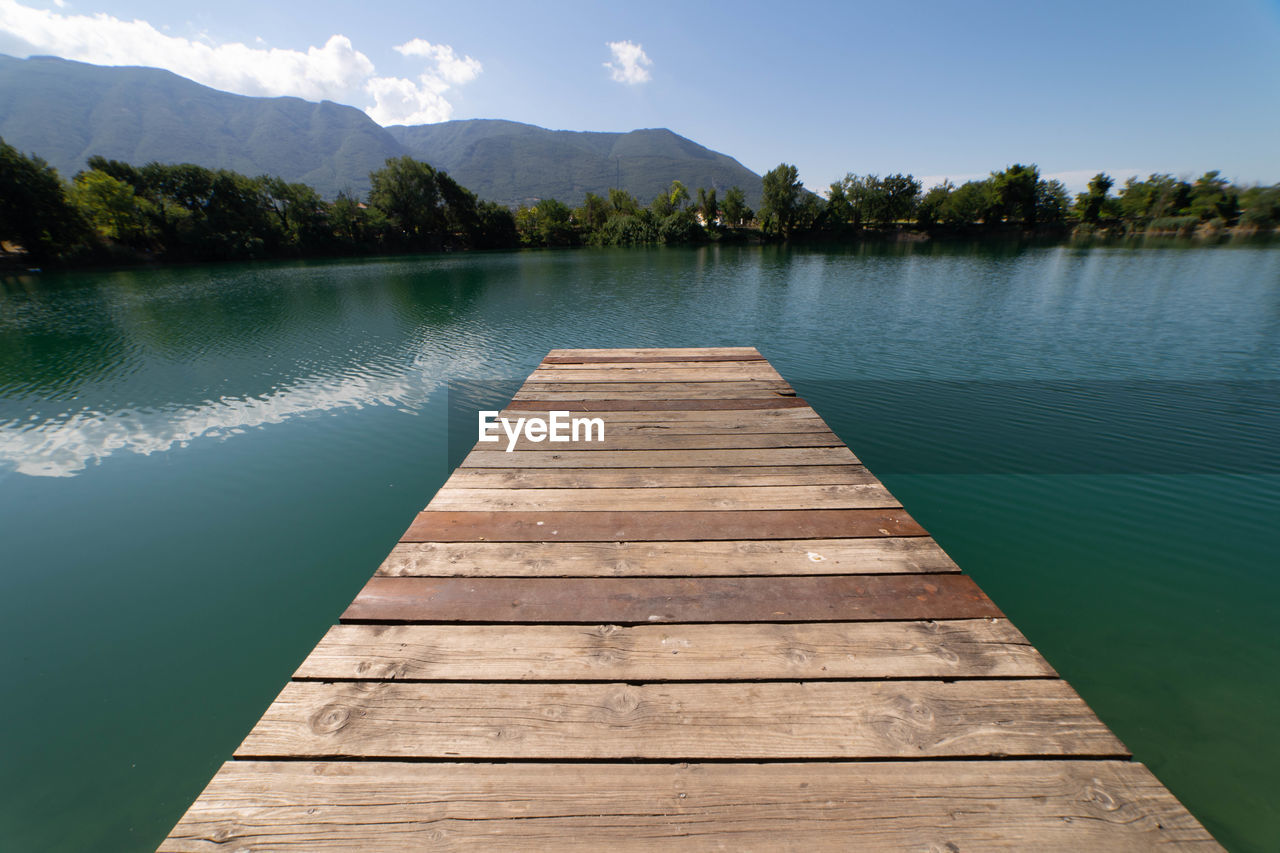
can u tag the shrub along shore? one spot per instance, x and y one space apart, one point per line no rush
114 212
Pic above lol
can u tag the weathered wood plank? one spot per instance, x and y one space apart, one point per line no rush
662 441
450 526
771 457
637 478
659 419
911 555
665 374
649 359
968 648
641 600
651 390
673 405
656 352
709 368
1067 806
613 427
650 499
749 720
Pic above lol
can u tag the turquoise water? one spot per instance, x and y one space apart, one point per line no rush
200 466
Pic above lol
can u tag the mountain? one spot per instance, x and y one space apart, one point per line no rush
519 163
68 111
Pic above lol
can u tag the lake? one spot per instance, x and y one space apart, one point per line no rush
200 466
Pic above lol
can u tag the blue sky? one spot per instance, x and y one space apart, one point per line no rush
939 89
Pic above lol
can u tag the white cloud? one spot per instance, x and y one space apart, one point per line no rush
335 71
451 68
401 101
630 63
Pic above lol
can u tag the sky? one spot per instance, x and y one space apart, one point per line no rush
937 89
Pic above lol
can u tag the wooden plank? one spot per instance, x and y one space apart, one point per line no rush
890 555
700 364
673 405
656 352
644 359
970 648
1068 806
743 721
635 478
662 441
768 457
449 526
651 390
671 389
632 600
613 427
650 499
665 374
666 418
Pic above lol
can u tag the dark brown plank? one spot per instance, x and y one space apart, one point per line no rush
657 599
660 526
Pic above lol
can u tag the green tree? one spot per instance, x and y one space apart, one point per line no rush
1015 193
898 197
1260 206
34 210
708 207
623 203
1090 205
735 210
932 203
406 191
970 203
782 196
1213 197
348 219
593 213
1157 197
301 215
112 207
1052 202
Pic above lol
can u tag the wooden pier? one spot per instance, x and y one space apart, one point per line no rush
716 630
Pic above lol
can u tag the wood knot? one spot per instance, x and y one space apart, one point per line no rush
330 718
1095 795
622 702
906 722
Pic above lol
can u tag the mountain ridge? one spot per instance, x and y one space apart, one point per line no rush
66 111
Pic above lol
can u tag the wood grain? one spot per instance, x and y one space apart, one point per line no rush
771 457
970 648
650 359
637 478
889 555
832 598
672 405
452 526
656 353
651 499
657 441
744 721
1052 806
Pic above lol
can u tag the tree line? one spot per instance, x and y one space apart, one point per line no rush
114 211
1016 197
